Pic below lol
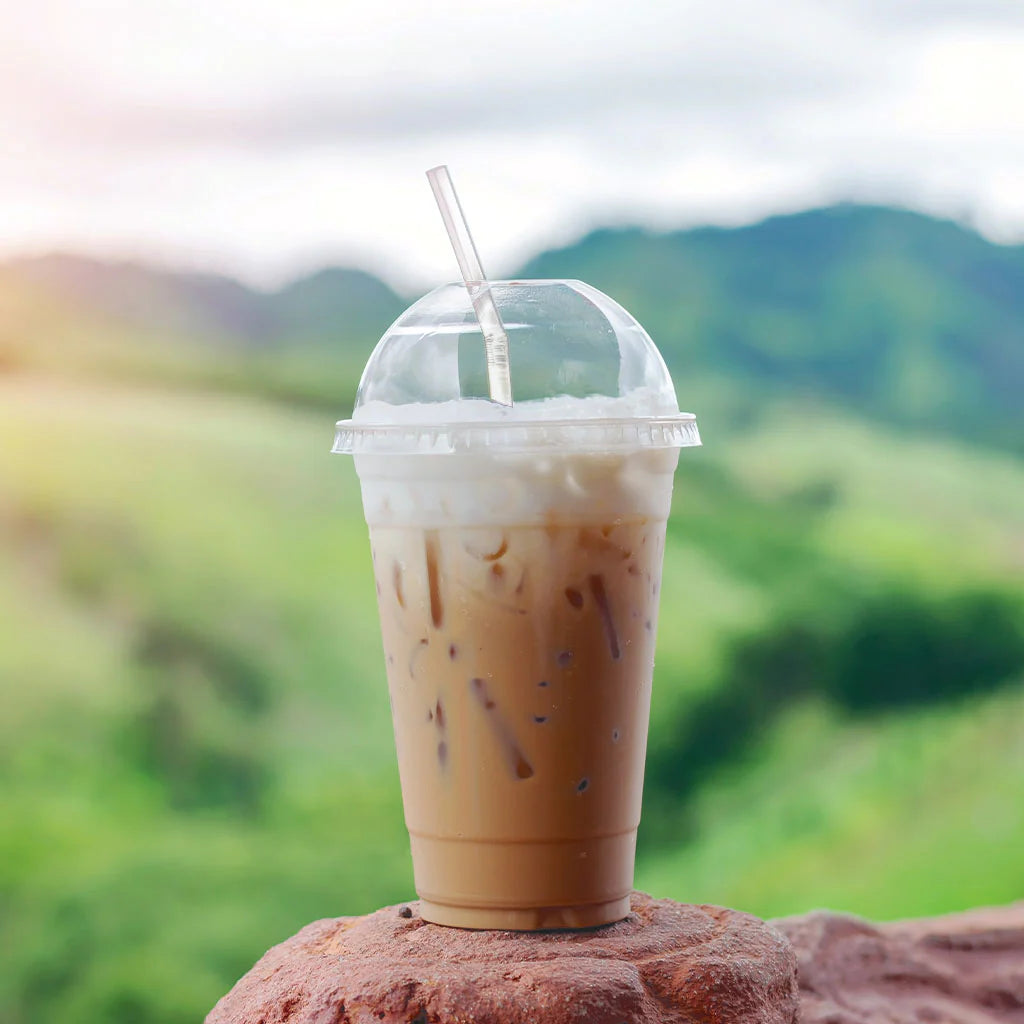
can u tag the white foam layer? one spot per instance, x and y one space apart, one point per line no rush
515 489
473 462
641 403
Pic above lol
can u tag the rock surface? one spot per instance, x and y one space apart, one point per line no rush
961 969
665 964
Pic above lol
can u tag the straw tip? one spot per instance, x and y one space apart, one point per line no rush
434 170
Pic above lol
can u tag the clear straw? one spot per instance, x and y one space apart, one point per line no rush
499 381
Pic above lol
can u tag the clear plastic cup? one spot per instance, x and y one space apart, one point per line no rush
518 554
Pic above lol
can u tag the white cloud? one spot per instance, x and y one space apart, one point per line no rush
267 137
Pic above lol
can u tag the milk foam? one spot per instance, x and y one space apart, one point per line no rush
638 404
473 462
434 491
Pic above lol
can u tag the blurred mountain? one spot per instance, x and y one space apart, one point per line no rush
206 305
914 320
72 316
336 304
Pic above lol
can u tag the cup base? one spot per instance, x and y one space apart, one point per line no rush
526 919
524 885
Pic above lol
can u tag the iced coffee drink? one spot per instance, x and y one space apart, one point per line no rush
518 557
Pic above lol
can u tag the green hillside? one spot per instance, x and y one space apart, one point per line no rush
915 320
195 743
196 754
305 344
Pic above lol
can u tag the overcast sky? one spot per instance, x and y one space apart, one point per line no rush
267 138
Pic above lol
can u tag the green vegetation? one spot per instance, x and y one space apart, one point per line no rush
914 320
195 745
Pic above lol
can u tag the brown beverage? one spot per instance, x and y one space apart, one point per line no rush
518 602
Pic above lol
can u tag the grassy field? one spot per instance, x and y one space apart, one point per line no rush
910 815
195 746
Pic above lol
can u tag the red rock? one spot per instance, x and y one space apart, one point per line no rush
665 964
961 969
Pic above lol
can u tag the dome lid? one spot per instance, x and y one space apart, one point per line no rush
585 374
